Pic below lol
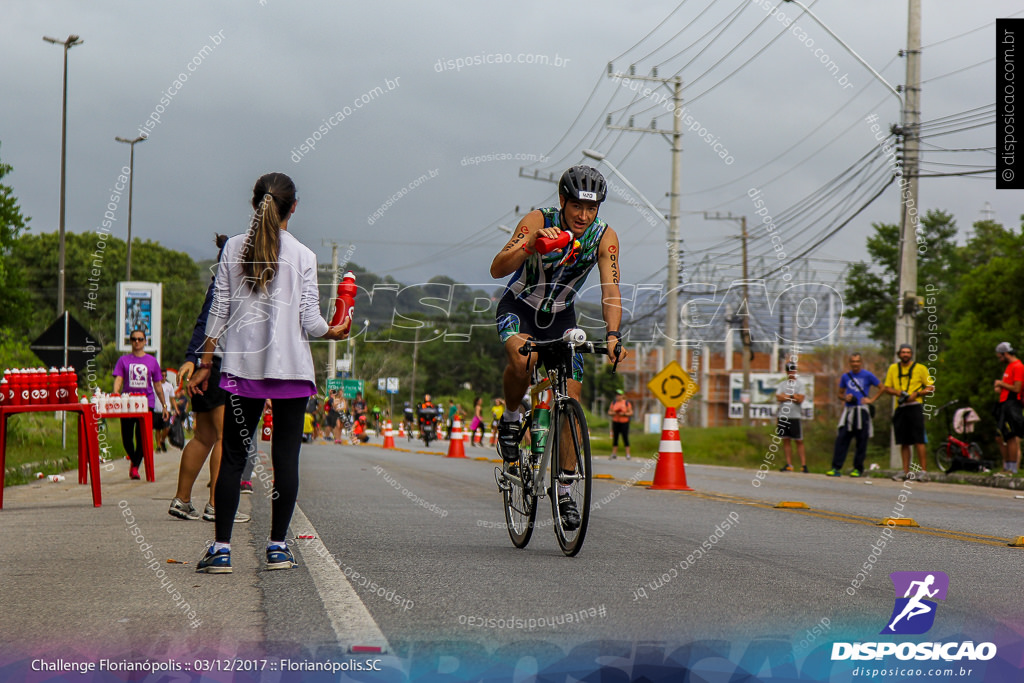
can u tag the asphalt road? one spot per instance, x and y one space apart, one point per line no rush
406 552
430 529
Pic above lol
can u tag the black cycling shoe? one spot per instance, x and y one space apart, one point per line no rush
568 512
508 446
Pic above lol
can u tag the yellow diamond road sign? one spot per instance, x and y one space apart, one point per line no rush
673 386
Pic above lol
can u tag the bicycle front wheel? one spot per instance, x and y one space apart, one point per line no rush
570 475
943 456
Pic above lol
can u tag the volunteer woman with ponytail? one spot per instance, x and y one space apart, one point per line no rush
265 308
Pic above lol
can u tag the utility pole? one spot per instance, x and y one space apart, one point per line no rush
910 103
676 137
332 345
744 313
412 384
906 302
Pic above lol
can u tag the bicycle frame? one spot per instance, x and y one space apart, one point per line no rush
556 382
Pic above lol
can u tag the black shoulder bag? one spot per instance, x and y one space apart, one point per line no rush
871 406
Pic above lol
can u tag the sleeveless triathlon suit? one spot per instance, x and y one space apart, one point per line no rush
538 300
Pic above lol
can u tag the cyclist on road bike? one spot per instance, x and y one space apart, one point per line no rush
538 300
410 419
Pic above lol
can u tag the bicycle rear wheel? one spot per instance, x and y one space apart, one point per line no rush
567 418
944 456
520 505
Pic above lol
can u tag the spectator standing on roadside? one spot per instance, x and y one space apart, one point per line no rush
162 419
477 423
265 309
331 416
453 410
790 394
138 373
497 410
358 407
1011 420
855 423
908 381
621 411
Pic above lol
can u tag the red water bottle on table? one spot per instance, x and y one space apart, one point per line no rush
72 384
14 388
345 304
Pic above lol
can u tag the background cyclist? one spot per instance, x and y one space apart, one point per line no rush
538 300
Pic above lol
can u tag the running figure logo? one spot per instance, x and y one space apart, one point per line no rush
138 376
914 613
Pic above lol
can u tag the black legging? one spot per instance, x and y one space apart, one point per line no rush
131 438
241 417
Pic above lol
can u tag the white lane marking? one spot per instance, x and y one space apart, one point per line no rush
350 619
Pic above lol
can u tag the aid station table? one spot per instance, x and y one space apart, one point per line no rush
88 443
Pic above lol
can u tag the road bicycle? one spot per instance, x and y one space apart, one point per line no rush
559 438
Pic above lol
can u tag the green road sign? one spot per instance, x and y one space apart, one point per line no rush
351 386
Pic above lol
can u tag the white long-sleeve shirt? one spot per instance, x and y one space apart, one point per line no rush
265 335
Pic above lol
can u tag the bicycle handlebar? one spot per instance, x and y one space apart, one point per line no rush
532 345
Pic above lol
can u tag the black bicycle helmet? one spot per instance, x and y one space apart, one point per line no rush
583 183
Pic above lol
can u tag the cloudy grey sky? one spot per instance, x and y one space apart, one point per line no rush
283 70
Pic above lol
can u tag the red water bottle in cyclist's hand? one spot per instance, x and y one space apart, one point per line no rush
543 245
344 305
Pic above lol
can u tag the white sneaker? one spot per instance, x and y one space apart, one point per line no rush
210 515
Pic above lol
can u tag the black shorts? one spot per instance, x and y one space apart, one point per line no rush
908 424
790 428
159 422
620 429
214 396
1011 421
331 418
515 317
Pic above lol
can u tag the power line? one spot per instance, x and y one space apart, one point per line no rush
935 78
966 33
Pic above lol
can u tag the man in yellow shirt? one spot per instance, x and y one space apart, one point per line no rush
908 381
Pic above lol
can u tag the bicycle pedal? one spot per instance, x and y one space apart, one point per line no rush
499 479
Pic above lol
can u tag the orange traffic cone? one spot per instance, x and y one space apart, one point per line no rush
389 435
670 474
401 430
456 448
493 434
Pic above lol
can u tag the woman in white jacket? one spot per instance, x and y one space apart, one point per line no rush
265 308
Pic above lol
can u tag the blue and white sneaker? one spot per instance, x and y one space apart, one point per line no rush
279 556
215 563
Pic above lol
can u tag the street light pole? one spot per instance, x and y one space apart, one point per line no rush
71 41
131 188
676 135
671 299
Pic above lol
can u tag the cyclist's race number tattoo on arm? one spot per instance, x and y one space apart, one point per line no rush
520 236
